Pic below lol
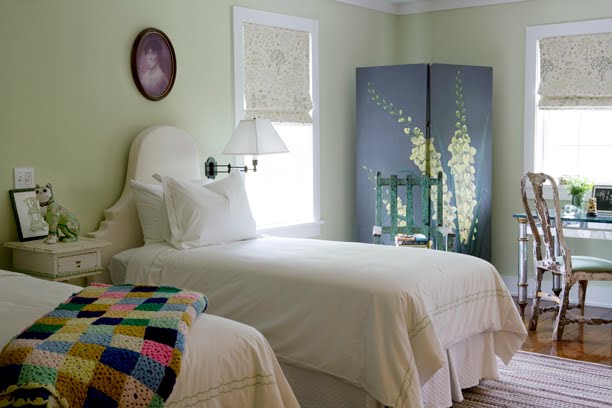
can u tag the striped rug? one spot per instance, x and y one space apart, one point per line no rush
536 380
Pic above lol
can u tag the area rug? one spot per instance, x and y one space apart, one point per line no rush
536 380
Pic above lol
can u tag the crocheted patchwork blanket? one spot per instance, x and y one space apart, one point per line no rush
106 346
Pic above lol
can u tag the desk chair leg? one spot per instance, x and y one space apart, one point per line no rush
582 288
535 307
561 321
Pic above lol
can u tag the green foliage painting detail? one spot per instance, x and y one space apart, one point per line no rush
460 214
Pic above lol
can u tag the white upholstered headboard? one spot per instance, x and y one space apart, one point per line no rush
165 150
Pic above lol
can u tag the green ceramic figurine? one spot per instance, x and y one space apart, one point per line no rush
58 218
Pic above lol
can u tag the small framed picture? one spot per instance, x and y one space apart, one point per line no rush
153 64
28 216
603 198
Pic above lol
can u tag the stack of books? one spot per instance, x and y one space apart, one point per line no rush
412 240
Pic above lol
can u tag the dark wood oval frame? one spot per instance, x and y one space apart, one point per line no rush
134 62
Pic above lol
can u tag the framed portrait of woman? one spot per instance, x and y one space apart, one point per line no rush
153 64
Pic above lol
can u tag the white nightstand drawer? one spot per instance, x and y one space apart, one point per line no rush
81 262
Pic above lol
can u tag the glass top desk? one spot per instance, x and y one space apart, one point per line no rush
575 226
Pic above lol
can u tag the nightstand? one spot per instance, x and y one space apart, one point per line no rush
58 262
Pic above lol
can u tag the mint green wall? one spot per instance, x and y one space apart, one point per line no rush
69 107
495 36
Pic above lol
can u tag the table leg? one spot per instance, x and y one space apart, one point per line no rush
522 265
556 277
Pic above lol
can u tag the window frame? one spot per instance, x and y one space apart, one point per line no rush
532 71
243 15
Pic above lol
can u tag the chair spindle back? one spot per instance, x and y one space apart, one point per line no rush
545 240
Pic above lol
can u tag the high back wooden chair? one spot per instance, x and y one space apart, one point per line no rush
572 269
441 236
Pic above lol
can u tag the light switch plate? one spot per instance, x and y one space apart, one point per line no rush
24 177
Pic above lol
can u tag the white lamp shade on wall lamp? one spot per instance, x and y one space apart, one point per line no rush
255 137
252 137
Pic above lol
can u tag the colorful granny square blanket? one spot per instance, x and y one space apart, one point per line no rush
106 346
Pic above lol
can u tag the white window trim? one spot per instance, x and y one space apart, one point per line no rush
306 230
243 15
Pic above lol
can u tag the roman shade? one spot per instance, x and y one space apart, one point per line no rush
277 74
576 72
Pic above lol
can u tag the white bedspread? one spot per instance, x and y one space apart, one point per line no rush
225 364
379 317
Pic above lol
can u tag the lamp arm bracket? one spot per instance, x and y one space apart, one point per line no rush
211 168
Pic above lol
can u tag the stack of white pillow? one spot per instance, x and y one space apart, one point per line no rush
191 214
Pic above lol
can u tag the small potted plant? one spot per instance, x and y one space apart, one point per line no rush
577 187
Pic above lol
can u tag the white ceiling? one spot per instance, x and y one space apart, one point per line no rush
420 6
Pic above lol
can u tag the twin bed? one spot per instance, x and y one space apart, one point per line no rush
226 364
353 311
352 325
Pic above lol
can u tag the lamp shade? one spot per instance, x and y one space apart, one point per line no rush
255 137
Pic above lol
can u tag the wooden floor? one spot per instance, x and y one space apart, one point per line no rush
580 342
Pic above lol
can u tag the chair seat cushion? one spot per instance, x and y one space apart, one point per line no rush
590 264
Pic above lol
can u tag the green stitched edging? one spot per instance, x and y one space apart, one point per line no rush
259 380
452 304
406 377
416 330
468 299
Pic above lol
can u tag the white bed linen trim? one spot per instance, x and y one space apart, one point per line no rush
225 364
423 301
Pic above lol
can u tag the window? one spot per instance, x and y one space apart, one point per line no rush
576 142
571 139
284 192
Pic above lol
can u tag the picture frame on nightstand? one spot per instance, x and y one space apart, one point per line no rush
28 217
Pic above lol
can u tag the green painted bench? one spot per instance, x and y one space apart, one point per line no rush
439 236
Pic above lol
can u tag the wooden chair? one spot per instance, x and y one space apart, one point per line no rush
442 237
572 269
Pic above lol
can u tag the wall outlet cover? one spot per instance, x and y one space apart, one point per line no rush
24 177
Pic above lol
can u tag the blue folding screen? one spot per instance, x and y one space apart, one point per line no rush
395 104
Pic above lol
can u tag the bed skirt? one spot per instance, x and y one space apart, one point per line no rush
467 362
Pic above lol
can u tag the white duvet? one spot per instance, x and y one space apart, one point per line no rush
380 317
225 364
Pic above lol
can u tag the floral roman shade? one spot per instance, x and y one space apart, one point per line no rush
277 74
576 72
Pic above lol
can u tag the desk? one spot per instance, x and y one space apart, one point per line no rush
575 226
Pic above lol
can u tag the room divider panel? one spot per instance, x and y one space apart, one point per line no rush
422 119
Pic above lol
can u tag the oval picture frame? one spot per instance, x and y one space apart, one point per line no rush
153 64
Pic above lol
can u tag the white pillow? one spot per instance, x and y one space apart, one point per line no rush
217 213
149 199
151 211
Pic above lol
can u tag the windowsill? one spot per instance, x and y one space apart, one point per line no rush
564 194
303 230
